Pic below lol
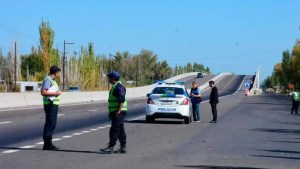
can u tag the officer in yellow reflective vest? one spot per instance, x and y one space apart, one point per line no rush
117 107
51 100
296 101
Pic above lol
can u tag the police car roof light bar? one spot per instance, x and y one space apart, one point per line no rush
160 81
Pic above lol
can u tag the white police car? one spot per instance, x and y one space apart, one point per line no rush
169 100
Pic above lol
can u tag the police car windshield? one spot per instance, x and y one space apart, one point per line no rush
168 90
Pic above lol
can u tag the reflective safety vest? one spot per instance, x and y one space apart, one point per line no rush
296 96
55 101
113 103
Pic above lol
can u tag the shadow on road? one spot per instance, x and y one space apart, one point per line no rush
295 142
215 167
284 131
62 150
281 151
269 156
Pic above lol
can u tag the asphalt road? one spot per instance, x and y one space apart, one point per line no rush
252 132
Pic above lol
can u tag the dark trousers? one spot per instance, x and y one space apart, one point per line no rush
117 130
50 123
214 111
196 111
295 106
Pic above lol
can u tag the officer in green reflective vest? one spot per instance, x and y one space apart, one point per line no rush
117 107
51 100
296 101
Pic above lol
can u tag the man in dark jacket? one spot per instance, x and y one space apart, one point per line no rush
213 100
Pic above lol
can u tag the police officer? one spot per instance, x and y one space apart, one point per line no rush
213 100
117 106
295 100
51 100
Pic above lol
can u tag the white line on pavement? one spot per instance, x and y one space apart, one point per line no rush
77 134
60 114
137 118
94 110
9 151
56 139
40 143
67 136
5 122
26 147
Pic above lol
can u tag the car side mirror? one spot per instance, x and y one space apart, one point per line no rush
148 95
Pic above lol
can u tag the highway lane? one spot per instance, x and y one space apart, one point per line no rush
29 125
252 132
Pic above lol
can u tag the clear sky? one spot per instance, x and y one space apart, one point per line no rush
226 35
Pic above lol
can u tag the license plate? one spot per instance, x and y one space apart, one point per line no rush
166 103
162 109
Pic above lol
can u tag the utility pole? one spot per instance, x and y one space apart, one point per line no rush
64 63
15 73
137 70
108 71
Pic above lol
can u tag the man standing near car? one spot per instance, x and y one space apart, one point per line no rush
213 100
51 100
117 107
195 96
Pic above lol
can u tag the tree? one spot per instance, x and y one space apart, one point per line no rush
46 43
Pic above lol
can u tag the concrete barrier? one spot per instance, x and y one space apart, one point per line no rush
12 100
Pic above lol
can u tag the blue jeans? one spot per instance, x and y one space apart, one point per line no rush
196 111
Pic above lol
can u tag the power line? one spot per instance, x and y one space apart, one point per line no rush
224 57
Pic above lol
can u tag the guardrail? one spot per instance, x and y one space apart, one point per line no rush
11 100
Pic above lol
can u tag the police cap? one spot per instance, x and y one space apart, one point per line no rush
113 74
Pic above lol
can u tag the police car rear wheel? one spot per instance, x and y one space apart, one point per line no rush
187 120
150 119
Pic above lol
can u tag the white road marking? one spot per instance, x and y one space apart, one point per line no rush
94 110
5 122
9 151
40 143
56 139
27 147
60 114
77 134
67 136
94 129
137 118
85 131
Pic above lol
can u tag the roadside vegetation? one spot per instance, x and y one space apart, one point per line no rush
286 74
86 69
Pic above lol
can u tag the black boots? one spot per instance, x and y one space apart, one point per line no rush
107 150
110 150
48 145
121 150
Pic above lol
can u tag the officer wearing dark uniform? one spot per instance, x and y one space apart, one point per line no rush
213 100
117 106
51 100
